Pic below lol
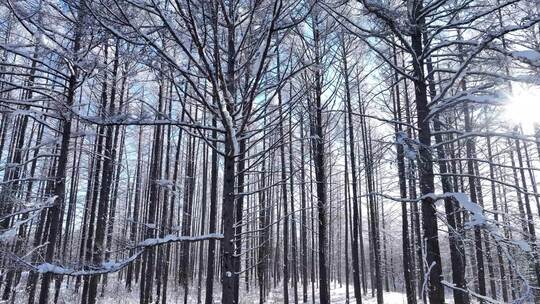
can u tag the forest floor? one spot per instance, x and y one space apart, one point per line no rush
116 293
338 296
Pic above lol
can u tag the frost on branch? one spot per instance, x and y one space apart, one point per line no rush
478 219
114 266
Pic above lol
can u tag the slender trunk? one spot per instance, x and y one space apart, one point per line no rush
187 216
304 223
317 142
455 241
202 220
528 210
148 269
405 244
263 240
469 144
373 222
284 196
346 194
357 221
293 216
55 213
136 208
213 218
104 192
502 272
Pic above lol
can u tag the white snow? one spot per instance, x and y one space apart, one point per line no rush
11 233
477 213
529 54
523 245
113 266
478 219
228 121
408 149
338 295
47 267
165 183
174 238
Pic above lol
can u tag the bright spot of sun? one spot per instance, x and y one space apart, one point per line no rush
524 107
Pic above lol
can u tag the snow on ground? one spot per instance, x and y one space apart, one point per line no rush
116 293
338 296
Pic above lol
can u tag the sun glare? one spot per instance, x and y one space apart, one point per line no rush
524 107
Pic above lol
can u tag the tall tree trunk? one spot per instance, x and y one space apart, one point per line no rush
426 178
227 215
317 142
283 183
469 144
357 221
187 217
304 223
239 210
528 210
55 212
263 253
494 201
203 223
358 208
400 140
148 269
346 195
455 241
105 189
373 222
293 215
133 233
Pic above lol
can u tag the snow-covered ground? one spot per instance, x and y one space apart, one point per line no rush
338 296
117 294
